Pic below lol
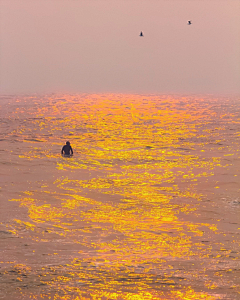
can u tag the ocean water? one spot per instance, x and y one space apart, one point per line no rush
148 207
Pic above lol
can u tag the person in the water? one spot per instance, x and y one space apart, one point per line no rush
67 149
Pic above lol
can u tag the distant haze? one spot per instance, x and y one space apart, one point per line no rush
94 46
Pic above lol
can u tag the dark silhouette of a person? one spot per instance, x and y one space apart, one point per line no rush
67 149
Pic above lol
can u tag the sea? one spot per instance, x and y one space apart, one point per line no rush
148 206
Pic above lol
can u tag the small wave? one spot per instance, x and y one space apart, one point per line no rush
185 149
236 202
34 140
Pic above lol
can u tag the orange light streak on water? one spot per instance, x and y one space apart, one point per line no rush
124 217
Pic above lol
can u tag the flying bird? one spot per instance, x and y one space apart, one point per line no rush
189 22
141 33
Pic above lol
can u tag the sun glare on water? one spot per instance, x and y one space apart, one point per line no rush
128 216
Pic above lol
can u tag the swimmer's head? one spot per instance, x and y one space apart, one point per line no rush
67 143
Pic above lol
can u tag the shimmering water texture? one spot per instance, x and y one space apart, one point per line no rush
147 208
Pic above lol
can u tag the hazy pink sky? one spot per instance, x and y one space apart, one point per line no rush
94 46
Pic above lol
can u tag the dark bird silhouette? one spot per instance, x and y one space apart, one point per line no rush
141 33
189 22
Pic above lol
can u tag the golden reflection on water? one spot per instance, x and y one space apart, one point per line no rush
121 215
